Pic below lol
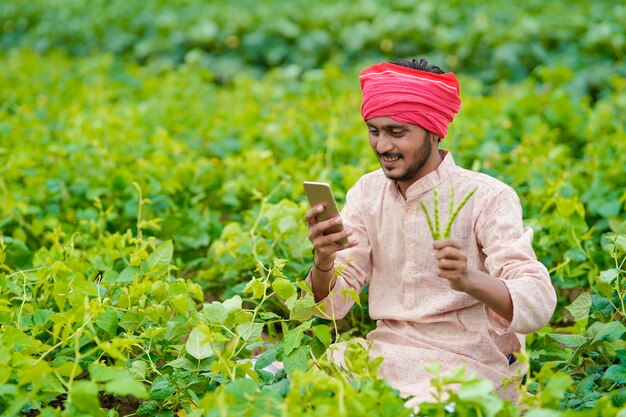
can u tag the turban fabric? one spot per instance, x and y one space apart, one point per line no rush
410 96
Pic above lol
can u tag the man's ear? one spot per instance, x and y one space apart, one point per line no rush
434 137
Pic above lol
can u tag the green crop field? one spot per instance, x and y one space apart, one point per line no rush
152 229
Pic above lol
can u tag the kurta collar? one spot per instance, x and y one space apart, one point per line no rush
429 181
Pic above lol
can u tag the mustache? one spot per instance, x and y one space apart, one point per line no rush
388 155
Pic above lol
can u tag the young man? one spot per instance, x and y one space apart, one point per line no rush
467 299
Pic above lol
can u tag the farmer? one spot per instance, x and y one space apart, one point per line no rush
467 299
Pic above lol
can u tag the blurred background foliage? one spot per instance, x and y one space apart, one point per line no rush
486 39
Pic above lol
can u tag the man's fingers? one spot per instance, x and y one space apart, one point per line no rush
450 265
330 239
326 227
443 243
449 275
450 253
312 214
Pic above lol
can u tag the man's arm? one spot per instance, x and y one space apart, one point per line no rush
510 261
452 265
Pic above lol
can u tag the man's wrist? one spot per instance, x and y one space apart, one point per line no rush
474 281
321 265
322 268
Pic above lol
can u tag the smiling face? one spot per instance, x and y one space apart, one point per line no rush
406 152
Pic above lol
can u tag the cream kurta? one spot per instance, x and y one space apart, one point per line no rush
419 317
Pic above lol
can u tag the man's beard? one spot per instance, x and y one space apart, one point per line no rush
422 155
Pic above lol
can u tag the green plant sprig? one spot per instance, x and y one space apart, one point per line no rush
435 230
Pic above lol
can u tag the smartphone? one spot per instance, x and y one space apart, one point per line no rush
321 193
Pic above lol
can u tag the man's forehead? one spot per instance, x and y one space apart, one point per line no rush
385 123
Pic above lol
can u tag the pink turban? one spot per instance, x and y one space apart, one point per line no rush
410 96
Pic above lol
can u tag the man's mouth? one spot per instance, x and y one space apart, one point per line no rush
389 158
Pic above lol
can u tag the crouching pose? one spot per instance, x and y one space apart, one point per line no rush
467 299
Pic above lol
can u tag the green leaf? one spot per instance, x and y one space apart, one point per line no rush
159 290
618 398
266 359
101 373
256 287
616 373
131 321
232 304
322 332
138 370
162 388
293 337
620 242
198 344
350 292
14 337
243 389
161 257
604 281
215 312
618 225
268 315
35 375
110 276
127 275
579 309
606 331
557 385
297 360
283 288
249 331
126 386
118 381
183 304
42 316
84 397
108 321
182 362
301 308
569 340
480 392
5 373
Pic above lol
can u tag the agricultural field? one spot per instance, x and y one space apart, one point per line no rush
153 244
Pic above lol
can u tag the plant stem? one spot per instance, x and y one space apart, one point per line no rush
435 230
437 235
429 220
139 210
456 212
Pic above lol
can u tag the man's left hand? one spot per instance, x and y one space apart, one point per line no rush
452 263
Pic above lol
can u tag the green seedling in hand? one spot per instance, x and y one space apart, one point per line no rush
435 230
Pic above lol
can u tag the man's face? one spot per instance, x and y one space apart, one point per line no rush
402 149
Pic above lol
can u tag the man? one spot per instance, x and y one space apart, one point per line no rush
467 299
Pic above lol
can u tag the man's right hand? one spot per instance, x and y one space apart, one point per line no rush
326 245
325 242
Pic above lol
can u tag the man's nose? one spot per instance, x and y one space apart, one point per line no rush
383 144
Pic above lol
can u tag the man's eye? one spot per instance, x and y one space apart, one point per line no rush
397 133
373 132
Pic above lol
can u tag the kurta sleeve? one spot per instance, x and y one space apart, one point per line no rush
507 245
353 266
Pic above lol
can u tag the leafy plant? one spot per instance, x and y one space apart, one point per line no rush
593 351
